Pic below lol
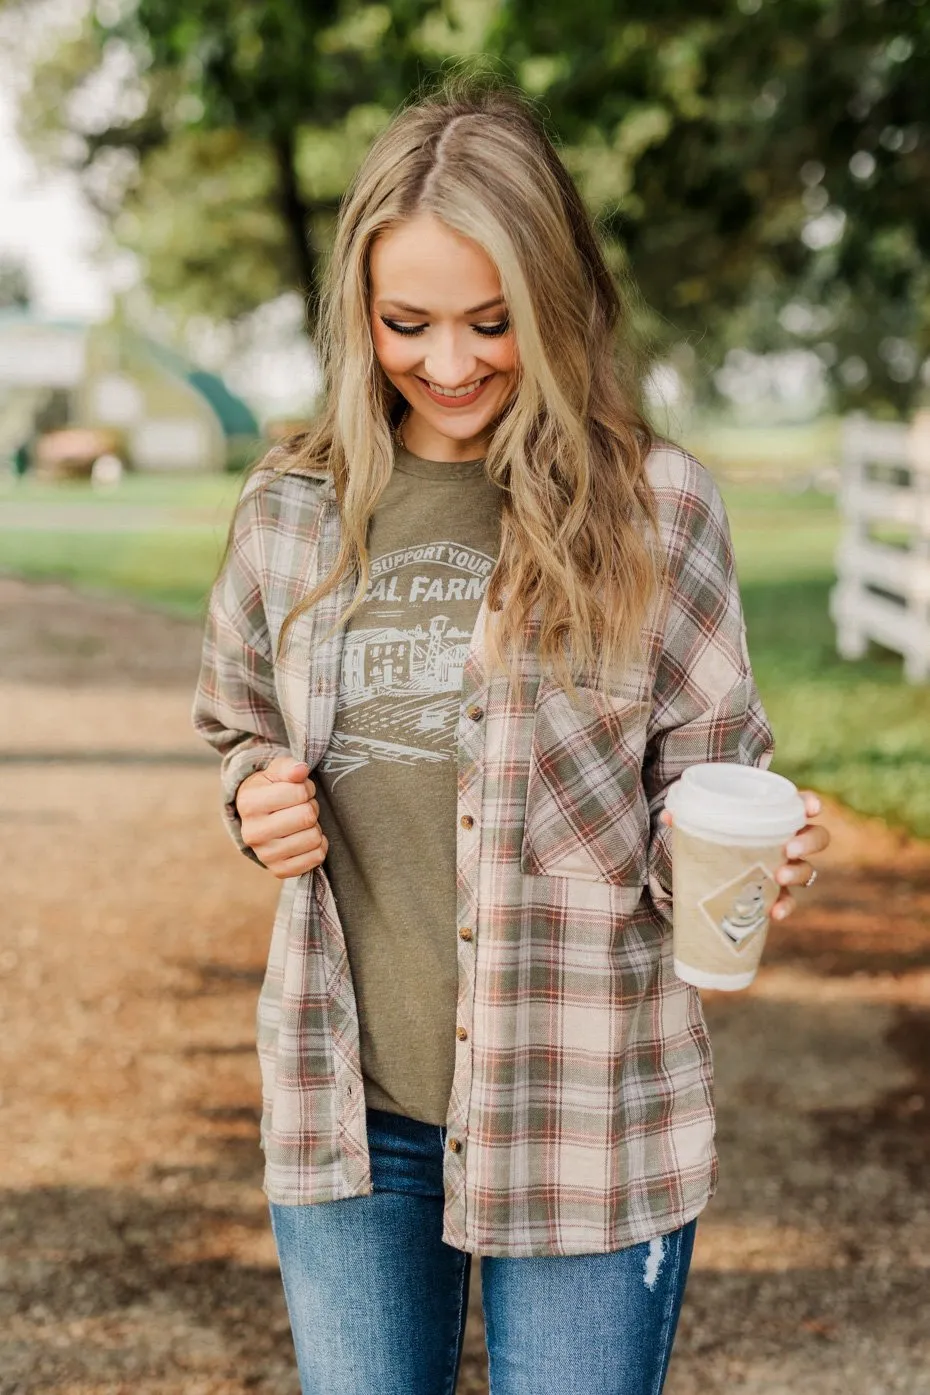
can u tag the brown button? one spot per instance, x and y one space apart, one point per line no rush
467 821
465 932
461 1033
475 713
455 1145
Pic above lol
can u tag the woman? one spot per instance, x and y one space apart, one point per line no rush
494 618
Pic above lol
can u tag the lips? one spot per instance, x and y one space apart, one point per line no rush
464 401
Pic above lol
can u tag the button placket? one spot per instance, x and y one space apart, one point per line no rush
471 741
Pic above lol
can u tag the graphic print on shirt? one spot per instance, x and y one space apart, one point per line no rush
402 668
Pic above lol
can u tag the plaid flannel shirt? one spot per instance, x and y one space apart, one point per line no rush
581 1113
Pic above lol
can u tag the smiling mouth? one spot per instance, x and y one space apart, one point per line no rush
459 395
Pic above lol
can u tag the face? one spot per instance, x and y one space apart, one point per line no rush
441 334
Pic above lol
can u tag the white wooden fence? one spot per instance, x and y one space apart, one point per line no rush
883 585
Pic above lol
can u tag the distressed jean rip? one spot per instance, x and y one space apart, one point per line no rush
654 1262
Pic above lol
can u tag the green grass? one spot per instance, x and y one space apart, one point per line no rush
853 730
742 451
172 569
159 491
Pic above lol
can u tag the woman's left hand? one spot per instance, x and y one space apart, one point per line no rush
795 870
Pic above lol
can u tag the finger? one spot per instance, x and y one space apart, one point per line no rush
298 772
783 906
267 798
299 775
280 849
794 874
666 817
812 804
812 838
286 768
297 866
265 828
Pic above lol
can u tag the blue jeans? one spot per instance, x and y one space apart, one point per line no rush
377 1300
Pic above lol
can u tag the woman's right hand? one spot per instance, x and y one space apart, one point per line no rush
280 818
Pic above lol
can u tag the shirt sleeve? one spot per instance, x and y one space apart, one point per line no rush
235 705
705 704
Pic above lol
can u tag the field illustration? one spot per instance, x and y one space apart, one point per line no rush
400 683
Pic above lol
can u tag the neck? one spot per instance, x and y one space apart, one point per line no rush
420 438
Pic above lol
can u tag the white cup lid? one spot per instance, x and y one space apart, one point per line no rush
741 800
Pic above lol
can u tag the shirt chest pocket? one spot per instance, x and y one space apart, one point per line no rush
587 815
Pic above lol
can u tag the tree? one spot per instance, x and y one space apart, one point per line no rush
761 166
15 284
758 165
218 140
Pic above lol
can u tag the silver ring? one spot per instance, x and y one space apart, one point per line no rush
811 879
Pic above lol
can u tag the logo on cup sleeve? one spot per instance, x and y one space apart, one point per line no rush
739 909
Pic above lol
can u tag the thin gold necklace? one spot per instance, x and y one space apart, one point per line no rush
398 429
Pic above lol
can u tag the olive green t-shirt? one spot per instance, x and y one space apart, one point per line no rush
387 784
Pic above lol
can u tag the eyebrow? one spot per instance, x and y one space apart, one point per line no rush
415 309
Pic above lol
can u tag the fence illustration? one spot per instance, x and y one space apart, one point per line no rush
882 591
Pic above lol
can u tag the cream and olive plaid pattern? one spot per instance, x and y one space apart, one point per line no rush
581 1114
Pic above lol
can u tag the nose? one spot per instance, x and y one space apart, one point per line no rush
451 361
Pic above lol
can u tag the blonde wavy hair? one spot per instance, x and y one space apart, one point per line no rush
568 452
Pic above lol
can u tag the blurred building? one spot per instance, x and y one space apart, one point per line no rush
164 413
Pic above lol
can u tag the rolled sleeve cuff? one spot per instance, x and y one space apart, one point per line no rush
660 870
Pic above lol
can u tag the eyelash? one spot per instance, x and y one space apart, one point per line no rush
489 332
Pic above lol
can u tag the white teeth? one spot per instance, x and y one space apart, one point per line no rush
455 392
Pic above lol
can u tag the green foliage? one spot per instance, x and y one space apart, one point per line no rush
760 165
208 158
224 251
15 285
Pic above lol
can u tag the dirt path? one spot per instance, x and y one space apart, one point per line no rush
136 1255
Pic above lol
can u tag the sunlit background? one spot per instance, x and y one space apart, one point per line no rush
170 172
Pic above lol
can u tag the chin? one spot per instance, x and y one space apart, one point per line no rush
462 424
462 430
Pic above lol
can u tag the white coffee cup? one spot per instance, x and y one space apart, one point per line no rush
731 823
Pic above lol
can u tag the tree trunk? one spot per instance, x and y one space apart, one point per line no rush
296 214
